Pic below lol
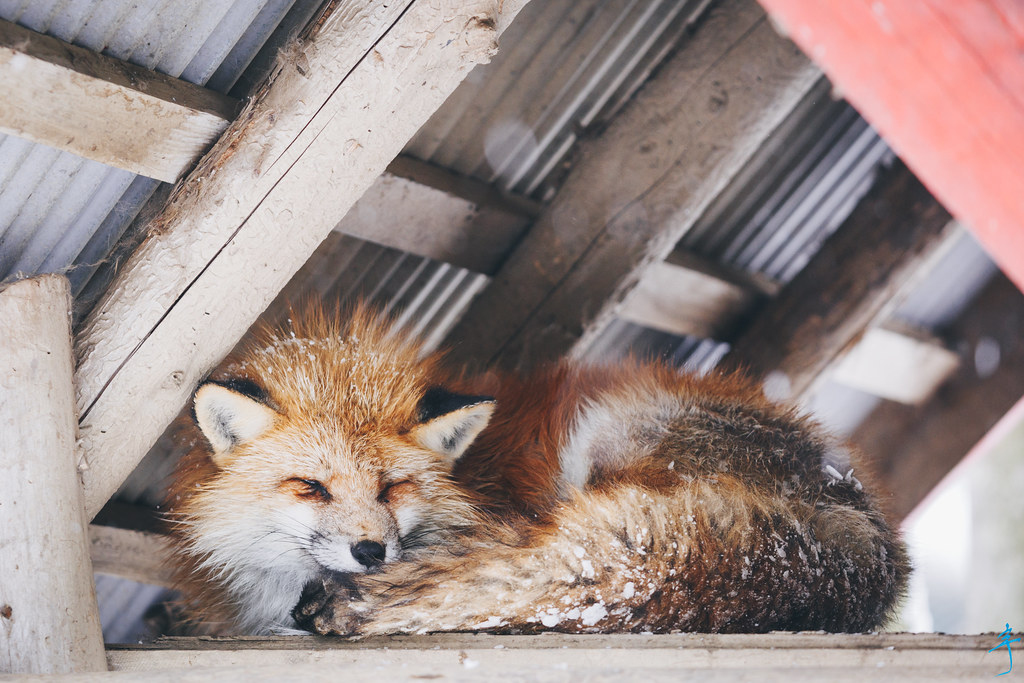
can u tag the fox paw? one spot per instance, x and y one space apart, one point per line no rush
330 605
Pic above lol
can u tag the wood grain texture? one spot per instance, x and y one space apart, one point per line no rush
105 109
49 621
914 447
637 188
848 285
135 555
248 217
558 657
941 82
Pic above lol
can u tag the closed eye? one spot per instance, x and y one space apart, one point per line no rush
389 492
312 489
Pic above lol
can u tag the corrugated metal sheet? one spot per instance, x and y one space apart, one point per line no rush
571 66
59 211
794 193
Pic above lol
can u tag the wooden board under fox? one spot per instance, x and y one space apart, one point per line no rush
343 482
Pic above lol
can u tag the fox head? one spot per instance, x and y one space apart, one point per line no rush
324 447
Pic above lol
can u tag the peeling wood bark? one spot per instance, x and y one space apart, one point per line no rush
848 285
105 109
914 447
638 187
254 210
49 621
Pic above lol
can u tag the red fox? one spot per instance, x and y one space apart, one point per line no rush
344 482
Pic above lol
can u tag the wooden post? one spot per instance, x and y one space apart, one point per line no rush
49 621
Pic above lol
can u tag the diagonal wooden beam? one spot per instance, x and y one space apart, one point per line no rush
851 283
281 177
105 109
638 187
942 82
914 447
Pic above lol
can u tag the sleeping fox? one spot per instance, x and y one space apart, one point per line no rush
342 481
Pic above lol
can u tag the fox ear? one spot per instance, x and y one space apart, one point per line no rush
450 422
231 413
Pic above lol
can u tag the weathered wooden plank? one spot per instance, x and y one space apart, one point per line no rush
897 365
686 297
249 216
427 216
914 447
770 657
49 621
940 81
136 555
105 109
477 192
848 285
638 187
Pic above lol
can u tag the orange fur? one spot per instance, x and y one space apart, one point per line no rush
628 497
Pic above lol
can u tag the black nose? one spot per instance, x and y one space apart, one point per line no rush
368 553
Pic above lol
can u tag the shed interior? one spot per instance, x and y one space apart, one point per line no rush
663 178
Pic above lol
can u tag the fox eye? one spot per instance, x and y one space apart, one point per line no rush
393 490
309 488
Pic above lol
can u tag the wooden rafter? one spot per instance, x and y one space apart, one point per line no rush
638 187
943 83
427 211
105 109
916 446
685 294
249 216
851 284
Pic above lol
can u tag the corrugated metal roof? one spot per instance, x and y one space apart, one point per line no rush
58 210
571 66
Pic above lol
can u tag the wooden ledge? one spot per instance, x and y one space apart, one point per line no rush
551 656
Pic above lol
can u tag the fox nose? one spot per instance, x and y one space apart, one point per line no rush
368 553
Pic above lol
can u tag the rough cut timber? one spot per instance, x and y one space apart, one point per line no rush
428 216
248 217
638 187
849 285
916 446
774 658
49 622
105 109
686 295
943 82
135 555
898 365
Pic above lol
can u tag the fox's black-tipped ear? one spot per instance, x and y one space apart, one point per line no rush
450 422
231 413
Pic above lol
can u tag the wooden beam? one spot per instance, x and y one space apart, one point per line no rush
943 83
914 447
858 276
49 621
135 555
281 177
425 220
685 296
774 657
465 187
638 187
105 109
898 365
